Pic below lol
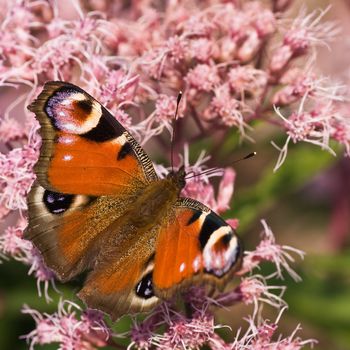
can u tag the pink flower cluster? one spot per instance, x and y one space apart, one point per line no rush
237 62
228 57
86 331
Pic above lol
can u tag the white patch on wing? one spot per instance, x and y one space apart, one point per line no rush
220 261
66 139
197 262
65 119
67 157
120 140
182 267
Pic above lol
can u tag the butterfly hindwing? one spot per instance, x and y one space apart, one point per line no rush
122 279
194 245
85 149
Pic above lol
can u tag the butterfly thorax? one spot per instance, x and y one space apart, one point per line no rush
156 201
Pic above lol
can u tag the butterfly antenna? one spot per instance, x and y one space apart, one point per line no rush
213 170
179 96
250 155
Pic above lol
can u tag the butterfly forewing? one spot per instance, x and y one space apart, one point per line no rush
85 149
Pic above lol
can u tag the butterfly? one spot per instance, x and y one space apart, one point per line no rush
97 205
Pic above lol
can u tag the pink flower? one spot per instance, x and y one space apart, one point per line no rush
41 272
135 59
306 31
247 80
253 290
269 250
191 334
301 84
202 78
226 109
12 243
16 176
86 331
10 130
250 46
313 126
225 190
118 89
201 49
262 18
165 108
341 133
177 48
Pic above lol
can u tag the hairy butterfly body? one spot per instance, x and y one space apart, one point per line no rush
98 206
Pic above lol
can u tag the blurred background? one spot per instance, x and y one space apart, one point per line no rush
306 203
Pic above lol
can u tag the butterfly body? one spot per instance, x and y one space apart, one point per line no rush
154 203
99 206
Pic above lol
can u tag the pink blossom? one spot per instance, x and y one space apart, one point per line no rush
66 327
16 176
199 25
193 333
225 190
178 48
234 223
201 49
41 272
250 46
12 243
203 78
269 250
306 31
262 18
341 133
165 108
253 290
246 79
226 109
313 126
300 84
10 130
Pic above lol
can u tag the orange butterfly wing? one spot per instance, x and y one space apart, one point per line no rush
194 245
85 150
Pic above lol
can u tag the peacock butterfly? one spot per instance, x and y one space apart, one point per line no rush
98 206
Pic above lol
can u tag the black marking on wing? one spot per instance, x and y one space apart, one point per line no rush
85 105
57 203
226 239
107 129
144 289
211 223
194 217
124 151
